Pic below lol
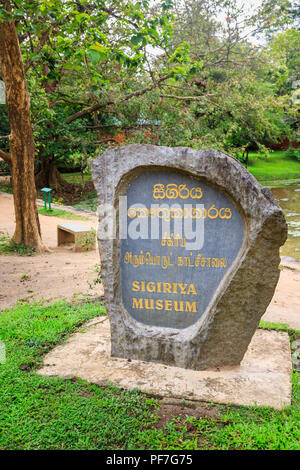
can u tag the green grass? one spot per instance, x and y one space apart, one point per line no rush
90 204
9 247
278 166
235 428
76 177
52 413
277 169
265 325
61 213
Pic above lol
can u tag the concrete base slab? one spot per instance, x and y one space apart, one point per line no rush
263 378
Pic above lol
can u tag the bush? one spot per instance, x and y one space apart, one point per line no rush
295 153
4 167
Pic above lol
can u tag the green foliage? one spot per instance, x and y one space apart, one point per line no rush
98 279
76 54
6 187
284 48
9 247
90 204
257 428
87 240
4 132
76 177
4 167
53 137
295 153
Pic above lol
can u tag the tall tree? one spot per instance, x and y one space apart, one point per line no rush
78 52
49 39
21 145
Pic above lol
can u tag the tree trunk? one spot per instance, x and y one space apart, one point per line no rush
21 142
48 176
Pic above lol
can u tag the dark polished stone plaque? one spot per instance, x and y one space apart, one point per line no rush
182 235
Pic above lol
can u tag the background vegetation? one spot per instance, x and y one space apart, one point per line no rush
171 73
203 74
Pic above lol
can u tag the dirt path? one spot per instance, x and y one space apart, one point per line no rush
63 274
53 276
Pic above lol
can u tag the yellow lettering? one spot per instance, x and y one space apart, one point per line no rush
192 290
180 307
151 286
149 304
137 303
164 304
190 307
135 286
167 288
182 287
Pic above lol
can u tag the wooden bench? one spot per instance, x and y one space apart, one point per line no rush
83 238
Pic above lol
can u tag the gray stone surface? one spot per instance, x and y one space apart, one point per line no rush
221 335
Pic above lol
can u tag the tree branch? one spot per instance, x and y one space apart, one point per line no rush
104 141
186 98
70 101
97 106
109 11
5 156
42 42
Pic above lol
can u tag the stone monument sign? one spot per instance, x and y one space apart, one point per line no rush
189 245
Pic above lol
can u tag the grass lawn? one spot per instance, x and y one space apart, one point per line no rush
90 204
61 213
76 177
277 167
51 413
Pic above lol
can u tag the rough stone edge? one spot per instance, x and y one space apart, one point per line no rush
224 335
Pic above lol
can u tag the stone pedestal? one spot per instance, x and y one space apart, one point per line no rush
193 303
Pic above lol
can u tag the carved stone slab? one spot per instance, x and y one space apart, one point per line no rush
190 258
